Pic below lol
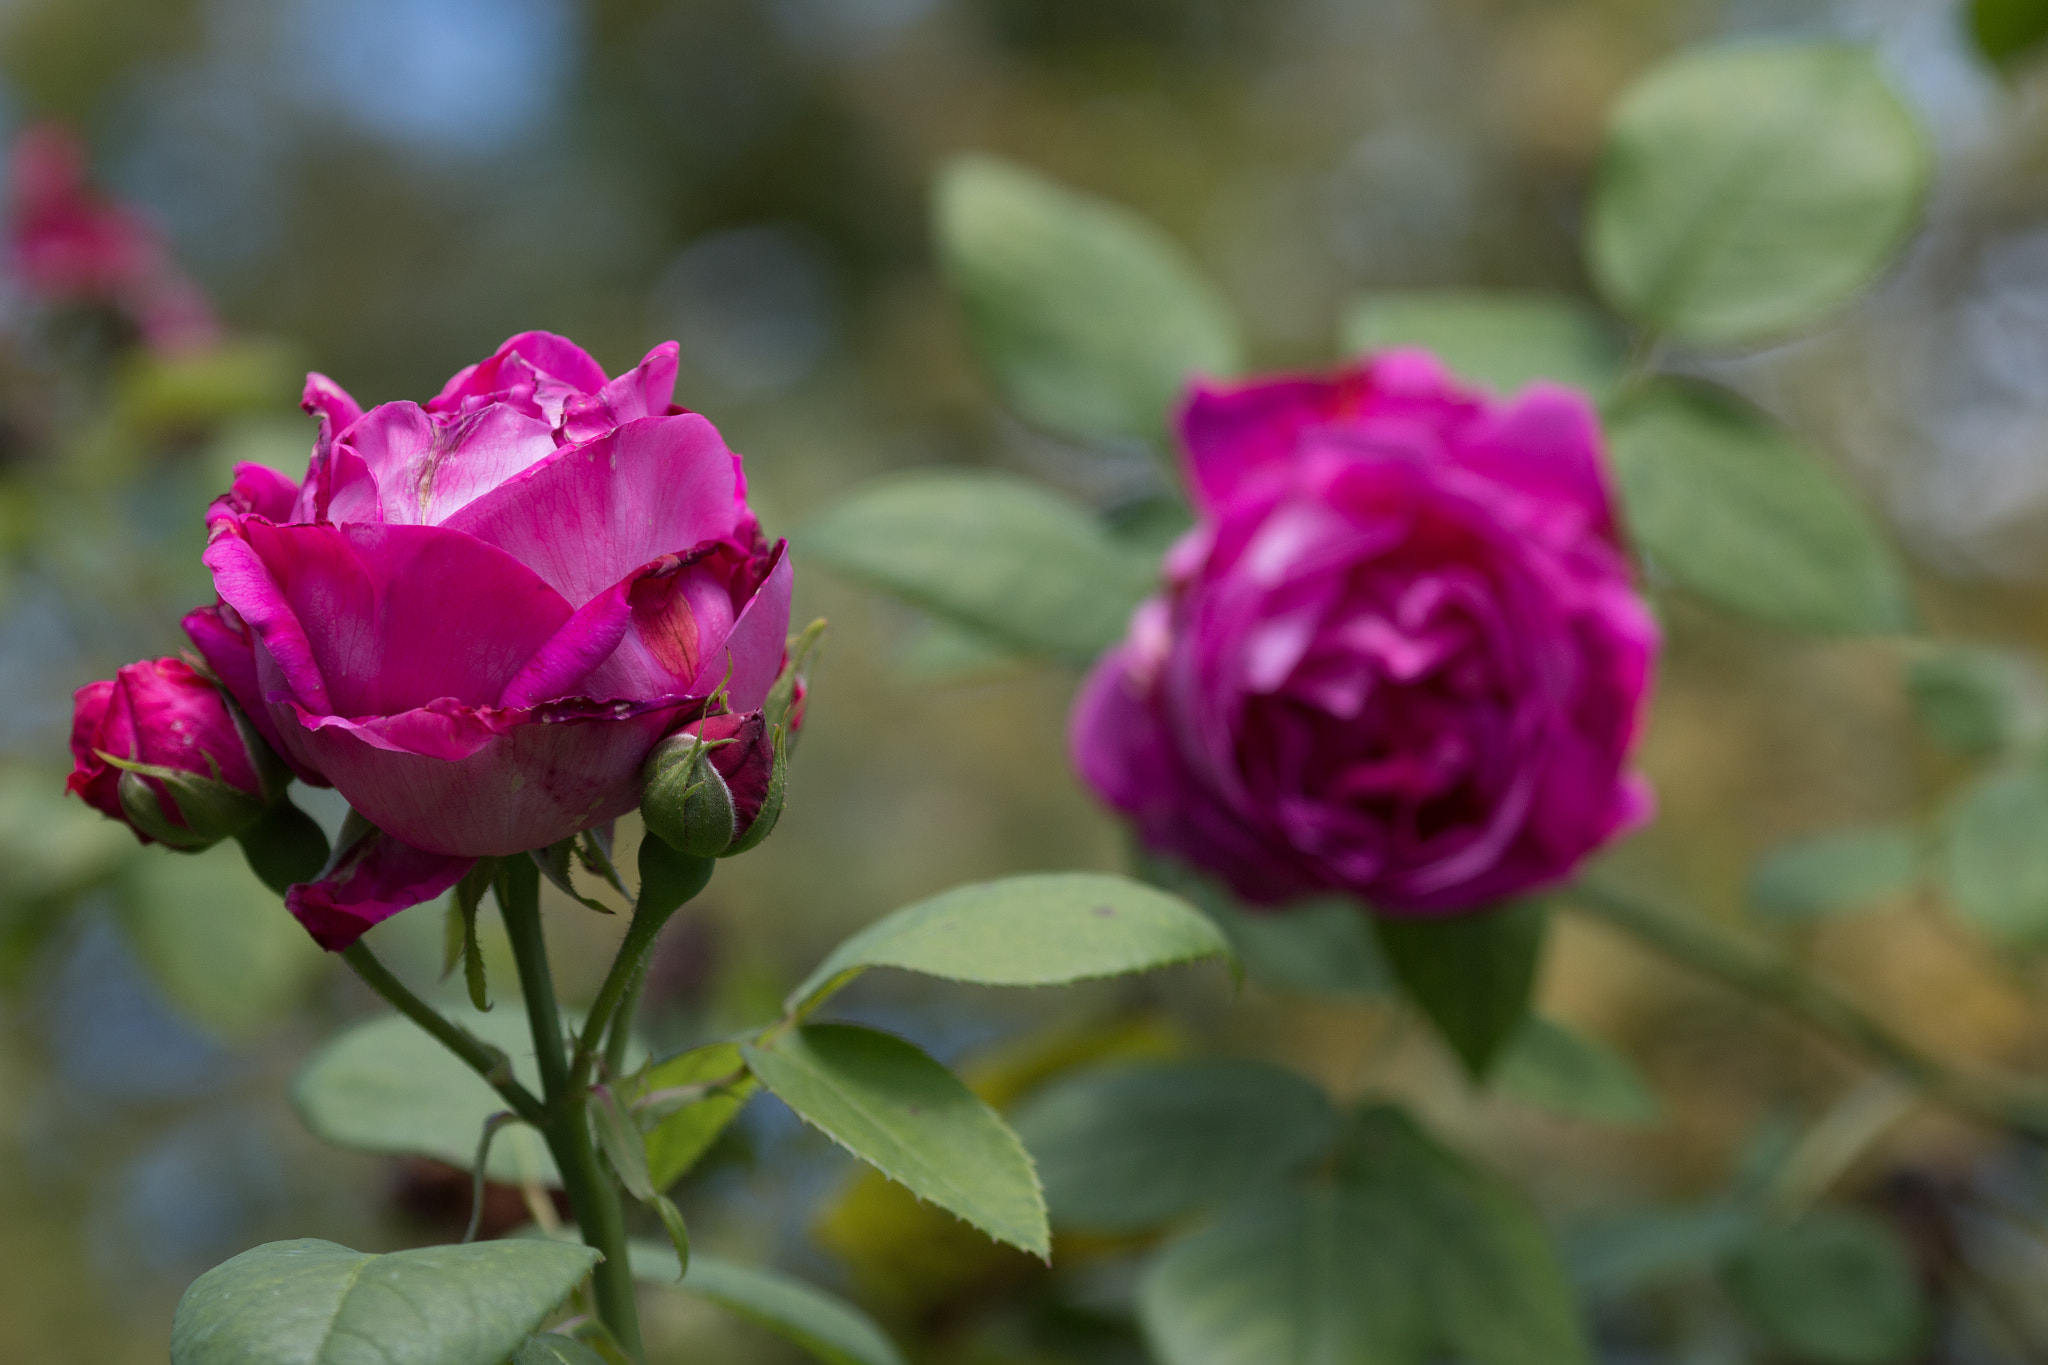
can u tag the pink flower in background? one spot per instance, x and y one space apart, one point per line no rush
194 775
67 244
476 617
1399 656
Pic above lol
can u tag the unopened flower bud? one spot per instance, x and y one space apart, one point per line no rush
161 750
710 787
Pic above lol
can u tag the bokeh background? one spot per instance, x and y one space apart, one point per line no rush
384 189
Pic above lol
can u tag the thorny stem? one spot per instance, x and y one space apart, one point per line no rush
592 1195
1762 975
488 1062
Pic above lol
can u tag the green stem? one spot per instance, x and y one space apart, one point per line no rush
488 1062
620 993
620 1035
1764 976
592 1197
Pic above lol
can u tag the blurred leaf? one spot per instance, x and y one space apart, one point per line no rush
1560 1069
385 1086
1314 947
2008 31
1749 191
1043 929
1968 699
1503 341
942 652
1835 1288
1088 319
551 1348
1732 507
323 1304
53 849
1412 1256
826 1326
906 1256
1994 855
219 942
1470 974
678 1138
1831 874
195 388
1621 1255
1001 557
911 1119
1130 1148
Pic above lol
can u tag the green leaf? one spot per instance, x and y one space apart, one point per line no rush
462 940
1730 506
1043 929
1623 1254
1002 557
1300 1277
1503 341
1748 192
1088 319
1412 1258
1835 1288
2008 31
1471 973
1994 855
625 1151
942 652
310 1302
1968 699
1315 947
827 1326
385 1086
218 941
678 1134
1131 1148
911 1119
550 1348
1831 874
1556 1068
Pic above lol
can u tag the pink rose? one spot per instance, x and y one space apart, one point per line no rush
67 244
1400 655
158 749
476 618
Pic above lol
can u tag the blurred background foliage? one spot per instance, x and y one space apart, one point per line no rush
384 189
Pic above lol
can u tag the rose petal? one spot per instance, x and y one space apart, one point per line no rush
373 881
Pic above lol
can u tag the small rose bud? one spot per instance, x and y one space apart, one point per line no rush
161 750
709 786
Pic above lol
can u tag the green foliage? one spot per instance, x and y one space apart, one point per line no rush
551 1348
1087 318
1560 1069
1471 973
679 1135
1967 699
1043 929
1994 855
386 1086
942 652
53 849
1643 1248
626 1153
1504 341
999 556
1409 1256
316 1303
218 942
1316 947
911 1119
1131 1148
828 1327
1730 506
461 944
1832 874
284 846
1750 191
2008 32
1834 1288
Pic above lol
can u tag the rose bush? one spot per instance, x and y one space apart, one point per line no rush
1399 656
157 748
476 617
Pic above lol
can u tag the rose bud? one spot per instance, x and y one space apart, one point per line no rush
1400 656
160 749
713 787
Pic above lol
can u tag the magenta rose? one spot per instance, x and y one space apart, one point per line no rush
1399 656
157 748
477 617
